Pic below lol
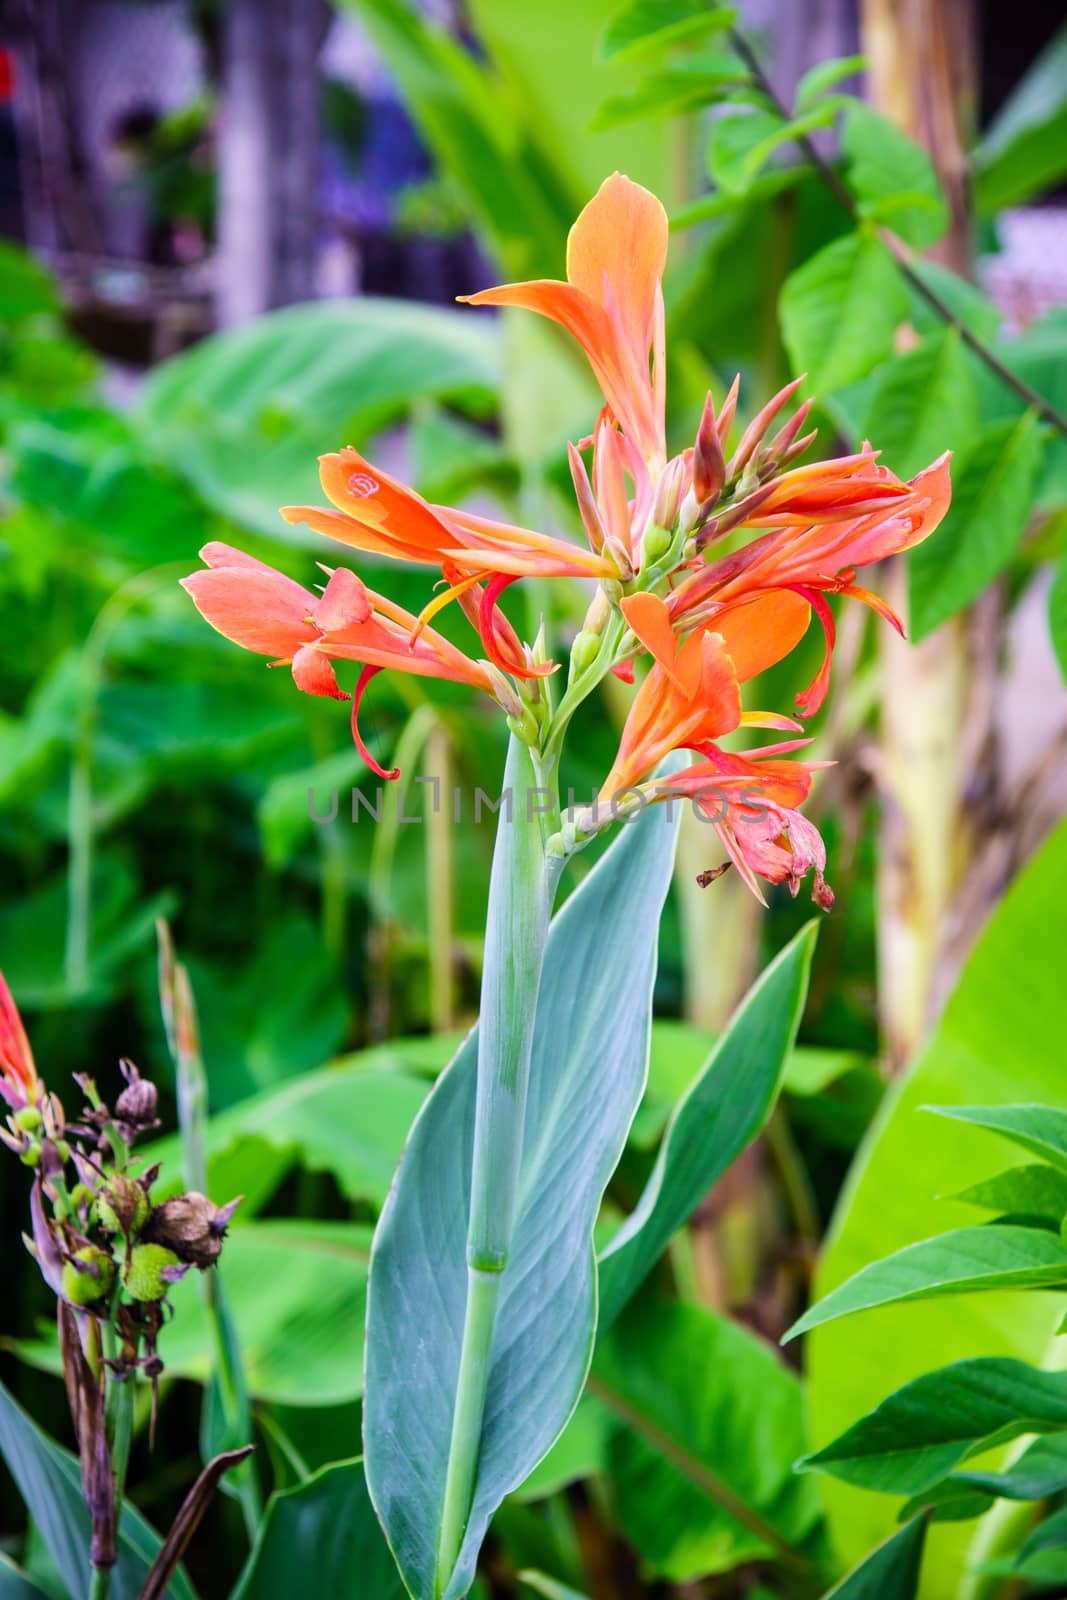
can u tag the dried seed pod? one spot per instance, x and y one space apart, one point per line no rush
192 1226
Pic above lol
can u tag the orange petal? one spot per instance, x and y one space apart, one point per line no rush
345 601
380 502
314 675
760 632
260 609
621 236
357 535
647 617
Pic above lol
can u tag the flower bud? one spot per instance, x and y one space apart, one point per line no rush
584 650
88 1277
150 1271
709 463
668 494
136 1106
28 1118
656 542
191 1226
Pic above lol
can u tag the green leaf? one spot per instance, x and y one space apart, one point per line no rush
548 1587
824 75
1049 1535
892 177
15 1585
645 27
917 1435
1040 1129
26 288
1024 151
992 491
579 1452
321 1538
587 1074
245 414
701 1473
999 1040
1036 1191
49 1480
742 142
967 303
960 1262
722 1113
891 1572
697 82
922 403
1057 612
840 310
1041 1471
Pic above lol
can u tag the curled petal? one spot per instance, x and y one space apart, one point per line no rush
345 601
313 673
364 678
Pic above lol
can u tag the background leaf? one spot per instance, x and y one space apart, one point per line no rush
840 310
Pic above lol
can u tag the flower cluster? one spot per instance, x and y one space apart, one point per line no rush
106 1249
675 583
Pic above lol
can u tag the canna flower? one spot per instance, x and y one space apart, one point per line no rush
811 560
262 610
19 1083
376 513
612 303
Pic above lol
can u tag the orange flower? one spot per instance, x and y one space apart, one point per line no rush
691 696
19 1083
813 560
264 611
377 513
612 303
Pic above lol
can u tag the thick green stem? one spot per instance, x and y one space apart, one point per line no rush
520 894
101 1583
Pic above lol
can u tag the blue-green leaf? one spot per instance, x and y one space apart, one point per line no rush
49 1481
720 1114
587 1074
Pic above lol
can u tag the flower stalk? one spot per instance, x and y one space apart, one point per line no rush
521 888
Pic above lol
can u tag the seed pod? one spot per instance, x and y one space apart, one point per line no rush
122 1207
136 1106
88 1277
151 1269
191 1226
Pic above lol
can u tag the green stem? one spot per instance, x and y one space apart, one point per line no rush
520 895
101 1583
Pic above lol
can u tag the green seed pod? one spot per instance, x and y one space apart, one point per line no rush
31 1157
122 1207
656 543
28 1118
584 650
90 1282
144 1275
82 1197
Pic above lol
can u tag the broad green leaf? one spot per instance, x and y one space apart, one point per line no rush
721 1114
999 1041
49 1480
245 414
1057 612
891 1572
548 1587
26 288
735 143
892 177
15 1585
1024 151
696 82
1033 1191
645 27
1039 1472
346 1121
992 492
840 310
825 75
1039 357
587 1075
922 403
702 1472
967 303
959 1262
1049 1535
917 1435
321 1538
1042 1130
579 1452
